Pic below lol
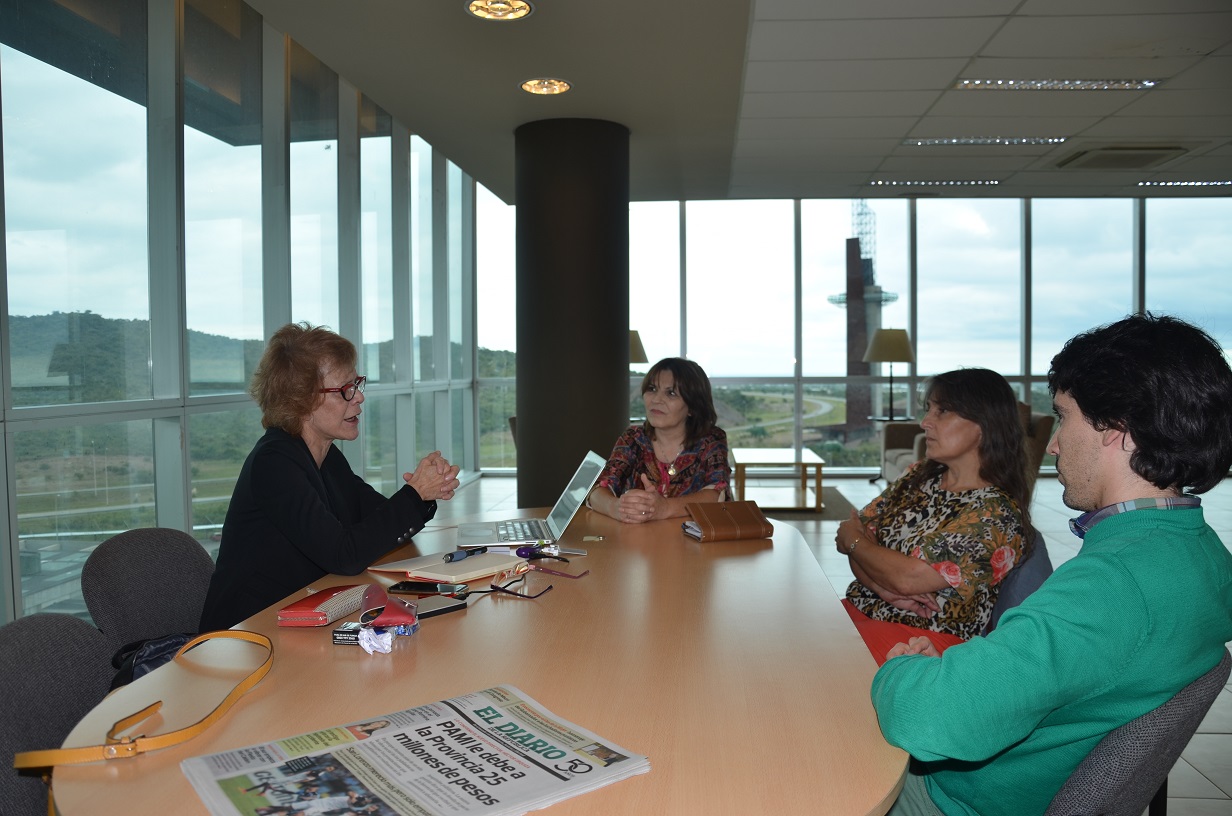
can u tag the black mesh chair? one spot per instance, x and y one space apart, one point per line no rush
55 668
1022 580
1129 768
146 583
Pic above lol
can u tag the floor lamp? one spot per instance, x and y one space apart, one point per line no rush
890 346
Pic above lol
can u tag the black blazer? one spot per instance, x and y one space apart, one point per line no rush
290 523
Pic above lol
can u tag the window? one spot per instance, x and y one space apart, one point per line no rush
75 218
314 189
90 444
654 279
376 241
76 487
422 269
222 194
740 252
970 273
1189 262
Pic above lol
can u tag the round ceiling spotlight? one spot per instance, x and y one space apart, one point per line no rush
545 86
499 9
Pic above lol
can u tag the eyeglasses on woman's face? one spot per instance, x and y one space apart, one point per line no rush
347 391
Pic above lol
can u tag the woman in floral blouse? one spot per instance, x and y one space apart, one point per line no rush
676 457
930 552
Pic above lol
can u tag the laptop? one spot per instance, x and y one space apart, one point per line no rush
514 532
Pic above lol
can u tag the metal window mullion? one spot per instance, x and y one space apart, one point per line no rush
168 314
468 457
1028 262
682 269
1139 256
275 179
798 311
400 229
350 281
913 291
440 299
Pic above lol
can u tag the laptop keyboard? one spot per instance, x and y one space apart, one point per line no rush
520 530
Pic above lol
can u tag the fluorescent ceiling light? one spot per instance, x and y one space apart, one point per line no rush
1055 84
545 86
499 9
986 140
1185 184
950 183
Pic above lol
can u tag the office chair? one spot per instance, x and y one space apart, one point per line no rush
146 583
56 668
1129 768
1022 580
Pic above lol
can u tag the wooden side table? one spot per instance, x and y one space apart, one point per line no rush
808 463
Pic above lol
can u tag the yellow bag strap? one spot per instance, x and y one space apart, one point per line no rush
123 747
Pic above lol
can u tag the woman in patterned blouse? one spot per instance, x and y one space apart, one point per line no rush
676 457
930 552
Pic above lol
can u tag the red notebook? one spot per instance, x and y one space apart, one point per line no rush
323 607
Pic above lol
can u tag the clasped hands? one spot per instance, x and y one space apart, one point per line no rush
434 478
641 504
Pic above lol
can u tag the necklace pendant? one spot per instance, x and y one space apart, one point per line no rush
671 471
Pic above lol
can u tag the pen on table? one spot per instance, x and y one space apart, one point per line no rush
458 555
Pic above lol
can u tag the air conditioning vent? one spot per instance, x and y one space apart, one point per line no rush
1122 157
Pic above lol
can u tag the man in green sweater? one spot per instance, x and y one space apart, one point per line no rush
996 725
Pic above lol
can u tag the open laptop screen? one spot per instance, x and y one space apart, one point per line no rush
575 493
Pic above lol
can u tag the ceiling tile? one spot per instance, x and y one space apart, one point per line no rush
870 39
844 103
851 75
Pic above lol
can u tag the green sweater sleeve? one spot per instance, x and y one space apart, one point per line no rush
983 696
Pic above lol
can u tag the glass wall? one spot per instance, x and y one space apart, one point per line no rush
313 106
222 194
496 328
1189 262
740 249
960 275
75 214
376 241
123 380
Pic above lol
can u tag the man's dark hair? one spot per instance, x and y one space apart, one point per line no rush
1166 383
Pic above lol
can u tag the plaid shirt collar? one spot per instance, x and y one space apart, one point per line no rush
1082 525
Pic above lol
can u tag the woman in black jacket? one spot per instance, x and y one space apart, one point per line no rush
298 511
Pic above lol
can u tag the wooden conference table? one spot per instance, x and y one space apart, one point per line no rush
731 665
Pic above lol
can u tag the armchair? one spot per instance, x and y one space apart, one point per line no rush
903 443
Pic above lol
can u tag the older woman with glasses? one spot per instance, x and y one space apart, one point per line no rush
298 511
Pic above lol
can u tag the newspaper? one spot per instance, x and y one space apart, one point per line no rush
495 751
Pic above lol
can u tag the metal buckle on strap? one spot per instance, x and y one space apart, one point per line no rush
120 750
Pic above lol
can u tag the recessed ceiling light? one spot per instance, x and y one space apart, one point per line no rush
545 86
1054 84
499 9
1185 184
942 183
986 140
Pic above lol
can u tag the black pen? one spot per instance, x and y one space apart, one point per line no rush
458 555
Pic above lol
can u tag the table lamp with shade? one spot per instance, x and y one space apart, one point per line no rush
637 354
890 346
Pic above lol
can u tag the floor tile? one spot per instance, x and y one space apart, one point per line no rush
1219 719
1198 807
1185 782
1211 756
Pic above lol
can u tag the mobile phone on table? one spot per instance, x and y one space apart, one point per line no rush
428 588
